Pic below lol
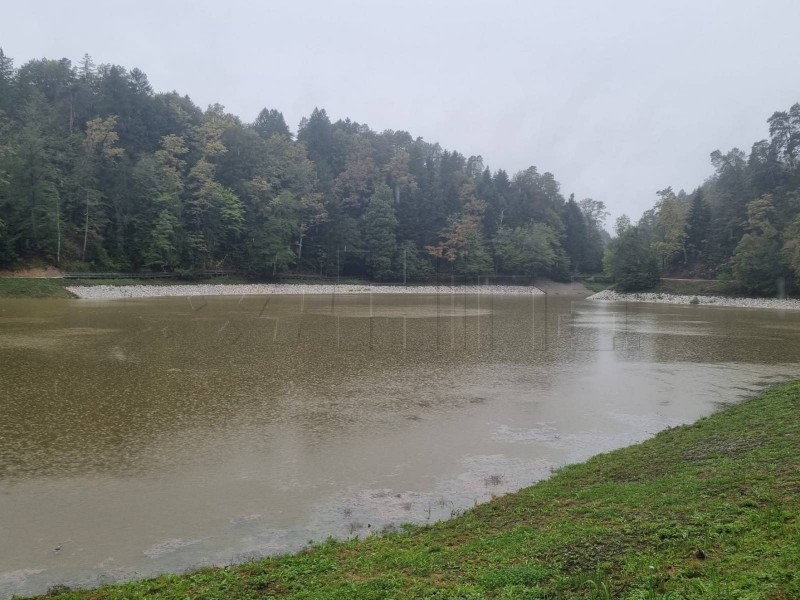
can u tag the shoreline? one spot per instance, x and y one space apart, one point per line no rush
689 507
110 292
725 301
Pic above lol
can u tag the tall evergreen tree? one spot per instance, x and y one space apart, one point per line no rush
757 262
698 222
576 234
378 234
269 123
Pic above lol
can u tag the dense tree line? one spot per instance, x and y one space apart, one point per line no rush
99 172
743 223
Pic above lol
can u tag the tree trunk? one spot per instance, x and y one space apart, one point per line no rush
85 230
58 231
300 250
34 233
33 223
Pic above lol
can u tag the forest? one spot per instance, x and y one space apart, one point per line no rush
742 224
100 173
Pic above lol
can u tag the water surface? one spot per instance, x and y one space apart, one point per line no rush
151 435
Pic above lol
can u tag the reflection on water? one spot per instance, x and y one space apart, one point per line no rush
139 436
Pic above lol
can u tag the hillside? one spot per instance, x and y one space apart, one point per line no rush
98 172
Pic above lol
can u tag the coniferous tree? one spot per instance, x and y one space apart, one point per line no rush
99 171
757 262
379 238
576 237
698 222
269 123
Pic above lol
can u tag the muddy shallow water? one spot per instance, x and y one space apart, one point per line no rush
150 435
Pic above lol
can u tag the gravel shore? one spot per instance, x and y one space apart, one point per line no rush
104 292
612 296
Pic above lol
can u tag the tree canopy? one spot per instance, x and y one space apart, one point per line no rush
742 223
100 172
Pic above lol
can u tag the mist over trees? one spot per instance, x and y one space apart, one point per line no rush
99 172
743 223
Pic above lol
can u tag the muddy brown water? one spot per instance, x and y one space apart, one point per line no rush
152 435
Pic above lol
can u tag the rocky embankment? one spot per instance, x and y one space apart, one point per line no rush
107 292
777 303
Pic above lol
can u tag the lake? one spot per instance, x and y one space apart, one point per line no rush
161 434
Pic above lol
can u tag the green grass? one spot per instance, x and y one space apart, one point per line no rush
709 510
11 287
701 287
596 286
32 288
165 281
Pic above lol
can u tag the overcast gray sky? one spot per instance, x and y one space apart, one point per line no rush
618 98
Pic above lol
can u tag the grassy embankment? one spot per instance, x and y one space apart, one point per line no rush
18 287
596 286
11 287
710 510
53 287
683 287
699 287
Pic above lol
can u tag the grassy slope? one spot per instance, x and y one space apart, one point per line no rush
32 288
165 281
701 287
596 286
703 511
54 288
11 287
688 287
